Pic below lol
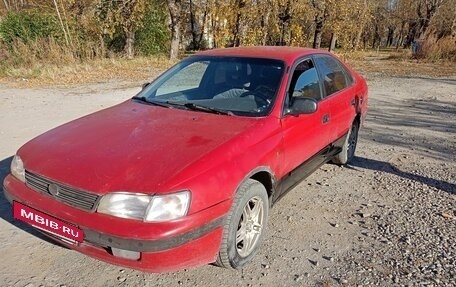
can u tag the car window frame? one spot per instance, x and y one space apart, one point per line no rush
291 69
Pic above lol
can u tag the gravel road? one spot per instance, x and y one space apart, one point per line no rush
388 219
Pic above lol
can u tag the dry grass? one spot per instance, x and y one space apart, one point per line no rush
136 70
398 63
435 50
407 68
45 62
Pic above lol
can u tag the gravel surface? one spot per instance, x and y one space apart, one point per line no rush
388 219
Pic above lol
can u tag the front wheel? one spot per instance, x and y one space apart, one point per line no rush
245 225
349 147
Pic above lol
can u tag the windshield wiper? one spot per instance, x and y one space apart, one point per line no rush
190 106
195 107
149 102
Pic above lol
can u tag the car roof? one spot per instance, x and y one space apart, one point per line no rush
287 54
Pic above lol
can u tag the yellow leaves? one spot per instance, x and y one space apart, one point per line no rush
297 35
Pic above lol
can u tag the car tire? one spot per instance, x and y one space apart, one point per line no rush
349 147
245 225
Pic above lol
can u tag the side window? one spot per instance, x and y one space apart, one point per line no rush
188 78
305 82
334 76
348 75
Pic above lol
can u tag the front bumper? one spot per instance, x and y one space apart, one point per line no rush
189 241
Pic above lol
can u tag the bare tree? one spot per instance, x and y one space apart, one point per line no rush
425 11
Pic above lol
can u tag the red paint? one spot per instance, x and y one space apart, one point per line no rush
133 147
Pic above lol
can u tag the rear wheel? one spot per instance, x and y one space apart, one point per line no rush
349 147
245 225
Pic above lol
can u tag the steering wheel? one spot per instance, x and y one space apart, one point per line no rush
263 99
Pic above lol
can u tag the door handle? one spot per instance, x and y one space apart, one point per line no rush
325 118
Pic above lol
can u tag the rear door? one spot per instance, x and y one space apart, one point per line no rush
339 95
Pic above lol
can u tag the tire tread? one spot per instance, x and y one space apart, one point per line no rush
223 259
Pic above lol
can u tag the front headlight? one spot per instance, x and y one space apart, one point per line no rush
17 168
145 207
125 205
168 206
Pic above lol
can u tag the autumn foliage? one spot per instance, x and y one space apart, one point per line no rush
77 30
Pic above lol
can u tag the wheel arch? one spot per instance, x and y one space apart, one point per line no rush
266 177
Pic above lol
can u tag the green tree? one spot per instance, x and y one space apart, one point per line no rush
153 37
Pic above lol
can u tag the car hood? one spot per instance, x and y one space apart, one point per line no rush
129 147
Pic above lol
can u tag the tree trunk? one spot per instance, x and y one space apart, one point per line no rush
67 27
332 45
129 43
321 13
102 46
318 32
214 31
61 22
194 44
400 39
359 34
203 25
412 33
285 17
236 41
175 41
453 28
282 35
390 38
174 8
377 38
265 27
360 28
236 31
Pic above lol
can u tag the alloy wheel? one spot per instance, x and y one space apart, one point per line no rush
250 226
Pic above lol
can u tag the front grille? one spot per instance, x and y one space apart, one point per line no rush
66 194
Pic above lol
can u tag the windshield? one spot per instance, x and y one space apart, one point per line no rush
225 85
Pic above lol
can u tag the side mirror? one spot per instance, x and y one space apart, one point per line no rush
301 106
145 85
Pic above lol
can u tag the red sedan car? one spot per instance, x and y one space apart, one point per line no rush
185 172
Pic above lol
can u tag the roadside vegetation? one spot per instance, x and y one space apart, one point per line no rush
68 41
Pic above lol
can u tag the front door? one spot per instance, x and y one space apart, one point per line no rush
305 137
